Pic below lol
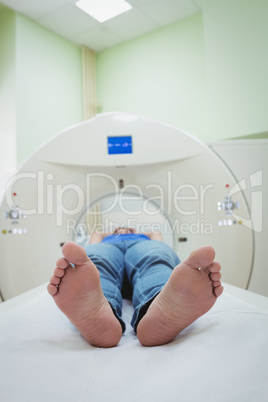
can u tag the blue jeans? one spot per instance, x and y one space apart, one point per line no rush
147 264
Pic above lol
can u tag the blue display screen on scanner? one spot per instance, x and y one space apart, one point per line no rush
120 145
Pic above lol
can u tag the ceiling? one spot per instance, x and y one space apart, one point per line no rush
67 20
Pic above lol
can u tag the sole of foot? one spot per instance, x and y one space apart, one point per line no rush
76 290
190 292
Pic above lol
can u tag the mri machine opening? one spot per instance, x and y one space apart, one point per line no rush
121 170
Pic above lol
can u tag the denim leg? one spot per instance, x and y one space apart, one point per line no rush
109 259
148 266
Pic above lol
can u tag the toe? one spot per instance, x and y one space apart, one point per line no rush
218 291
216 276
52 289
215 284
62 263
214 267
74 253
59 273
202 257
54 280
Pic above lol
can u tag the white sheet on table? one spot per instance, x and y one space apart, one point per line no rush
223 356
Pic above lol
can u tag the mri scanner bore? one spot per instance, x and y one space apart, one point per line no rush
121 170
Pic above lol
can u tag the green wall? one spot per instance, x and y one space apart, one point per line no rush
236 37
49 79
46 85
7 90
206 74
161 75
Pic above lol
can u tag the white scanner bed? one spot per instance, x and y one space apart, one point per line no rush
223 356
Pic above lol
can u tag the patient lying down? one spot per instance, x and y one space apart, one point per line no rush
168 296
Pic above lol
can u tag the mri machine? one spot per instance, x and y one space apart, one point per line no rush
125 170
120 169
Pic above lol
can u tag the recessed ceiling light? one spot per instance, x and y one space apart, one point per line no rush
103 10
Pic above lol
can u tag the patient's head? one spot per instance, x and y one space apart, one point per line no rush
123 230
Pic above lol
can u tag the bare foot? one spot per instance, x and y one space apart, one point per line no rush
78 294
188 294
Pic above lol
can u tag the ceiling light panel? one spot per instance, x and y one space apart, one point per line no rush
103 10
